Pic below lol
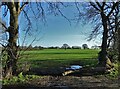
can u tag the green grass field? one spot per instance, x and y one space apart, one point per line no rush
48 58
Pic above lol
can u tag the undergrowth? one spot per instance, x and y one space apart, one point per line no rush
20 79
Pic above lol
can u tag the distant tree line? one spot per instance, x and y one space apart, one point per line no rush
64 46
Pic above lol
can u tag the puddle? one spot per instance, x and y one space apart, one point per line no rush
74 67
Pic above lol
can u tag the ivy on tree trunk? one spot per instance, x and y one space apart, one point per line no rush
10 67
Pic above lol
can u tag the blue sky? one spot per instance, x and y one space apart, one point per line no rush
56 30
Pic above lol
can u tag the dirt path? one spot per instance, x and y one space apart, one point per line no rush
69 82
73 81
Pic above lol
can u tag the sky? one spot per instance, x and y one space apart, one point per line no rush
56 31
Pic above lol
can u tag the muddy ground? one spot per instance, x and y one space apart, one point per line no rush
78 80
69 82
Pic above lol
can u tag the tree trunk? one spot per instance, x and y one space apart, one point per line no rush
119 51
119 44
103 53
10 68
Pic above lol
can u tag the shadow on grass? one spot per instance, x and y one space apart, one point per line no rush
60 62
55 67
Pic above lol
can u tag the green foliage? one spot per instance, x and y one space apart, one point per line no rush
15 79
3 56
113 54
30 77
20 79
114 72
12 80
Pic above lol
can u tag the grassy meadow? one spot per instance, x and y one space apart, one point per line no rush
46 63
49 58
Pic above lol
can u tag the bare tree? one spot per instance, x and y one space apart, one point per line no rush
113 33
15 9
100 13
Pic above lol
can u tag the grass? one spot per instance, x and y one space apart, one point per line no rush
53 58
59 57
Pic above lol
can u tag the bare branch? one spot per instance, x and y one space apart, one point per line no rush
92 4
113 8
29 22
41 11
33 11
27 47
3 25
95 32
23 5
28 25
63 14
99 4
79 13
103 5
